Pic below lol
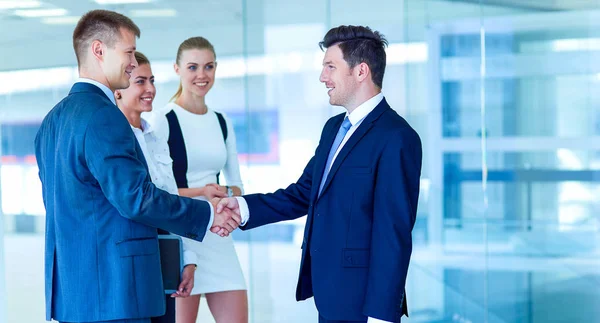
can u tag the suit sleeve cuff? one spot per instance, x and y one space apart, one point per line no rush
244 211
212 217
374 320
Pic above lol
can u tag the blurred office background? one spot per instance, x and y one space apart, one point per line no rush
504 94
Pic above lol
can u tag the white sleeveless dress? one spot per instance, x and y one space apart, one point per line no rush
207 154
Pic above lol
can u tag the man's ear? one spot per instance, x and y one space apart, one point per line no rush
362 71
98 49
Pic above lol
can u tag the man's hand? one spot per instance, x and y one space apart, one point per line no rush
187 282
225 219
228 203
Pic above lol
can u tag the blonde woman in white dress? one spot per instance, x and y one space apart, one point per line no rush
202 144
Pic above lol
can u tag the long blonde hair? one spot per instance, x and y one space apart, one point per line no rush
191 43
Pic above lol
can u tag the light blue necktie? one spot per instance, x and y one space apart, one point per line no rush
336 144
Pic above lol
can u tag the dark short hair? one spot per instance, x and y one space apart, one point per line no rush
359 44
141 58
103 25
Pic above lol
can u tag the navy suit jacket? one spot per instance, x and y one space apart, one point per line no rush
357 240
101 257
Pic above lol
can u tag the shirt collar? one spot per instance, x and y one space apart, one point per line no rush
102 87
364 109
146 127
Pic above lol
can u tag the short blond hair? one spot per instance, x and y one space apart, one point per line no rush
103 25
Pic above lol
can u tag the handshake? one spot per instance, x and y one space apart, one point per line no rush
227 215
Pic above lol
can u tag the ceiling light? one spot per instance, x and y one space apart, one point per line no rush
153 13
121 1
19 4
65 20
41 13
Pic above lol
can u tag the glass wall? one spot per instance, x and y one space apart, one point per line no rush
502 93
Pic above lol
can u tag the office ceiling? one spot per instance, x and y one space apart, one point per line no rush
538 5
29 43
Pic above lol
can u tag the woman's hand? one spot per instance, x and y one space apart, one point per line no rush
219 187
214 190
187 282
235 190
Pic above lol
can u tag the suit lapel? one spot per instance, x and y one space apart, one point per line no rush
321 158
362 130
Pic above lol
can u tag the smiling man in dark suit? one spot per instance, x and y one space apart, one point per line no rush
360 191
102 211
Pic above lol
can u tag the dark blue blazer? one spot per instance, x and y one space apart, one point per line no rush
357 240
101 259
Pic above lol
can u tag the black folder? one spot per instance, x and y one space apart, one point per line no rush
171 261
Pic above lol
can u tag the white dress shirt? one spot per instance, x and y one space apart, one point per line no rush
356 117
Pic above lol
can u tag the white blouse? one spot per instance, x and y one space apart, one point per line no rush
158 158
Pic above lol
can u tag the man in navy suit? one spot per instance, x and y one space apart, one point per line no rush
360 191
102 211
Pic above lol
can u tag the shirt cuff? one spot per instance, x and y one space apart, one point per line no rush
212 217
244 211
374 320
189 258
